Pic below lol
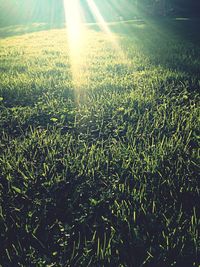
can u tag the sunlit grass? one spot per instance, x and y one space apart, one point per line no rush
113 180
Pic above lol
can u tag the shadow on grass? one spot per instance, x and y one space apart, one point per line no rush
184 28
171 43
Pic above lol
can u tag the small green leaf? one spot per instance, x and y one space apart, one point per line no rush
1 98
93 202
54 119
16 189
62 117
120 109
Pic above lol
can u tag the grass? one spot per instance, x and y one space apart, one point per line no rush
103 170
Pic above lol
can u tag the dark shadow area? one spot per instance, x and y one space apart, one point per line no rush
161 40
183 28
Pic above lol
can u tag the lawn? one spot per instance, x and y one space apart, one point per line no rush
99 148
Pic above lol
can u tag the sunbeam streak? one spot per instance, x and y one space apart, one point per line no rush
76 39
79 38
95 11
74 21
104 26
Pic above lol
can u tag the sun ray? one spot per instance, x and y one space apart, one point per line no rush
79 42
76 40
99 18
105 28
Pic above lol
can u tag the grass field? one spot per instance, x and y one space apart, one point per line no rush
99 159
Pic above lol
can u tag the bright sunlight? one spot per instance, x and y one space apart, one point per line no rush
77 33
75 37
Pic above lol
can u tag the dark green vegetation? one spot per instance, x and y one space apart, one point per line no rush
102 171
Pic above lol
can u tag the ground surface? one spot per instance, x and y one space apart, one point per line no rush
99 160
